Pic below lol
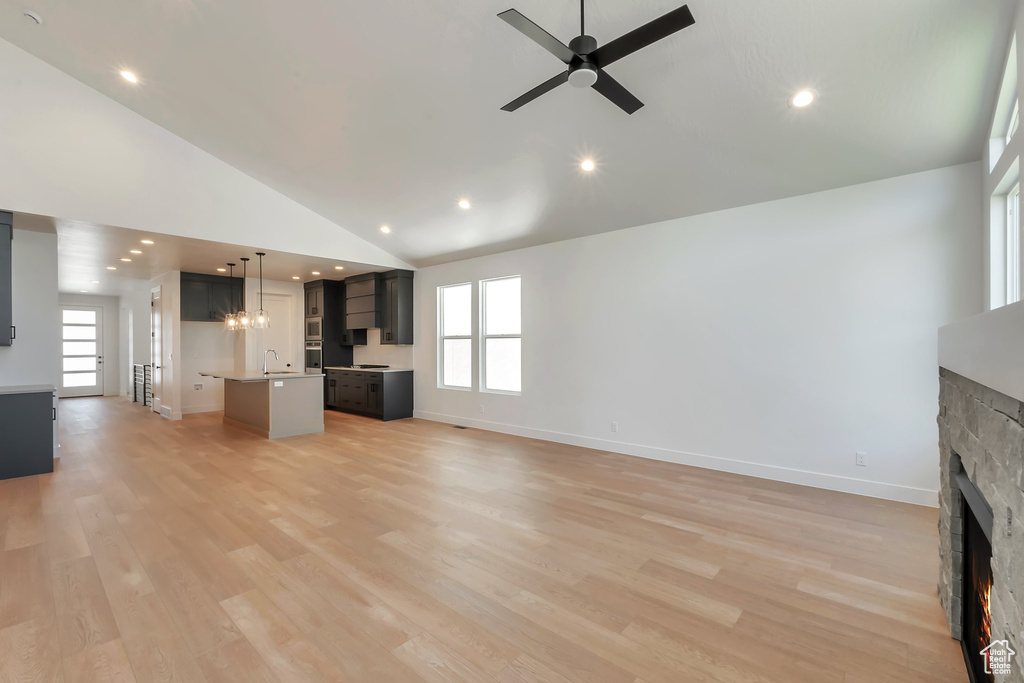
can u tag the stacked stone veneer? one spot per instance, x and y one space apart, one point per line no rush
981 430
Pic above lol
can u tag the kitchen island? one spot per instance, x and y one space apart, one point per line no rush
274 405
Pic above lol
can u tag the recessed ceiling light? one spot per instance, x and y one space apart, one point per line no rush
295 277
222 270
84 291
129 76
95 282
339 267
385 229
135 251
802 99
464 204
146 241
316 272
127 260
588 165
111 267
29 14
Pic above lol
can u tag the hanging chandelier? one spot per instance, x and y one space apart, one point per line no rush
260 319
231 319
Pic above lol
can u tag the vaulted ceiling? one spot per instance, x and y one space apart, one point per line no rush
388 111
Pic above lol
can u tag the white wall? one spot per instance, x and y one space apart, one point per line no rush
34 356
79 155
111 313
205 347
170 371
774 340
383 354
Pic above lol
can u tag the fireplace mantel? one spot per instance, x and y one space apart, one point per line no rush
987 348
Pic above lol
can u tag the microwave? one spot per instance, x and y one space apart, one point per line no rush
314 329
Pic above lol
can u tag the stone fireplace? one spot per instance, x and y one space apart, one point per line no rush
981 447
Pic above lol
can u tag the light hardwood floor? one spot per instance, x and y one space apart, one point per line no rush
412 551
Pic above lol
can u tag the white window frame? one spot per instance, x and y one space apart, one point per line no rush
441 336
1011 129
484 336
1013 244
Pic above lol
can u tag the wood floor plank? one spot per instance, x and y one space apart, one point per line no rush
410 550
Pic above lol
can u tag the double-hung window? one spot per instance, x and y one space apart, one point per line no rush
455 321
501 335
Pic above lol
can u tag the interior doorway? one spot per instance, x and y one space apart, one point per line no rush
281 335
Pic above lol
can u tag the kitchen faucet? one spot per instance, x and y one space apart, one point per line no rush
276 357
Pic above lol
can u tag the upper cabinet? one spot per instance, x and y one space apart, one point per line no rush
209 298
6 291
315 300
362 301
396 307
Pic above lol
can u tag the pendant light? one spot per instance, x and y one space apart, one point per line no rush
260 319
231 319
242 317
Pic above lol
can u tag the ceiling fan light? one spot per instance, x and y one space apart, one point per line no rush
583 77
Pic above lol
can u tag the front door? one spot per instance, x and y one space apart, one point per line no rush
81 351
156 346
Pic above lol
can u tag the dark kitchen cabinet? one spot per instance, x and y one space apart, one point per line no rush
209 298
6 281
384 395
27 417
396 308
315 300
363 301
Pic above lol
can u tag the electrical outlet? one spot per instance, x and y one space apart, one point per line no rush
197 387
481 409
615 426
862 459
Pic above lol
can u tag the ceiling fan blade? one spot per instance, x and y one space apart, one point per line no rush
614 91
544 87
639 38
538 35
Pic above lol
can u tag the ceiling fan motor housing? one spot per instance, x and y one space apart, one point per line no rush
582 72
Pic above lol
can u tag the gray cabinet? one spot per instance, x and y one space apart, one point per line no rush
6 283
209 298
384 395
396 307
27 417
362 301
315 301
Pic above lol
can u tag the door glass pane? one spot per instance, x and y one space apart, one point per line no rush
503 364
79 364
79 332
456 307
80 379
501 306
457 363
72 317
79 348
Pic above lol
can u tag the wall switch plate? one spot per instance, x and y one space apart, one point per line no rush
197 387
481 409
278 384
862 459
615 426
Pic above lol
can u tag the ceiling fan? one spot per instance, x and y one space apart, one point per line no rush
586 61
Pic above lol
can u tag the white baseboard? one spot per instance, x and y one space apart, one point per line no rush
832 482
205 408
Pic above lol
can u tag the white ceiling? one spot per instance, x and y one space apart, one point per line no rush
84 251
388 111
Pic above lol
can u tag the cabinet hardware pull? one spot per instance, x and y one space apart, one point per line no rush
14 332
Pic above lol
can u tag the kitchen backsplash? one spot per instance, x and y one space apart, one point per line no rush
388 354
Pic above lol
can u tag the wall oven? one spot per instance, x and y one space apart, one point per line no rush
314 329
314 356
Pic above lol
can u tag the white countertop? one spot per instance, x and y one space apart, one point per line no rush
259 376
28 389
349 367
